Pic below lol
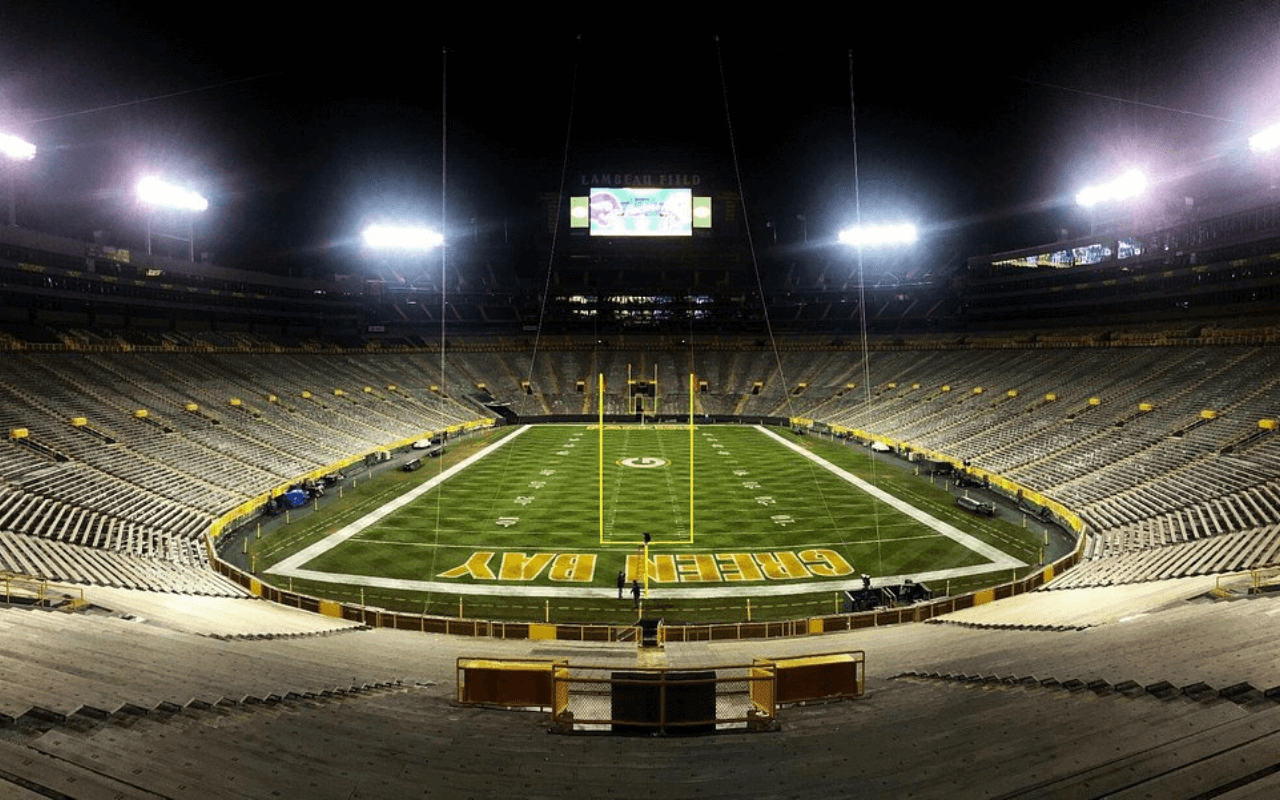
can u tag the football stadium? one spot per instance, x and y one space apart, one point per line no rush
762 434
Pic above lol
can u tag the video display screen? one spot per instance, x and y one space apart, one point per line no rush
641 212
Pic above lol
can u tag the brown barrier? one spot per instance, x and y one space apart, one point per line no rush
823 676
509 683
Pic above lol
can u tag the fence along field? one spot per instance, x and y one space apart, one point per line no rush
732 512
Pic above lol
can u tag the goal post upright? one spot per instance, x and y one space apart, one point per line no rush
655 391
600 449
691 383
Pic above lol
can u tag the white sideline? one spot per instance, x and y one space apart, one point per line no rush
999 558
291 567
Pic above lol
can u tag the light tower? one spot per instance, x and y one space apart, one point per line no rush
157 194
14 150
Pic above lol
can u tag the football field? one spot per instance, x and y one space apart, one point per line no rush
557 511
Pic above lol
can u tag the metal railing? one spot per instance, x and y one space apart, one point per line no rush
29 590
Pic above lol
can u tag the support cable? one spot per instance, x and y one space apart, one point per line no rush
555 225
862 309
764 305
444 280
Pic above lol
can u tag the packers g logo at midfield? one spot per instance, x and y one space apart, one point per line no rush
643 462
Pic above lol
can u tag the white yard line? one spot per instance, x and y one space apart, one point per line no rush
292 567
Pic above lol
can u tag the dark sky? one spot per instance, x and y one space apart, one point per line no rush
975 124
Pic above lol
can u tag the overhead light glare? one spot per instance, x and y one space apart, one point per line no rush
1130 184
401 237
1265 140
879 235
15 148
156 192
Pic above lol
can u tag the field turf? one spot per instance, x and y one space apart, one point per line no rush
524 521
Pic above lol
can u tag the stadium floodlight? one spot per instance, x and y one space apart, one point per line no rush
401 237
1266 139
15 148
1130 184
879 235
156 192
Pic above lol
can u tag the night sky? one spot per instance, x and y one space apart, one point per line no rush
979 127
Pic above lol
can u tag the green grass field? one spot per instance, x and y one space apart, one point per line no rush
520 530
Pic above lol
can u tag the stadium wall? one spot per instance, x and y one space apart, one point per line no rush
728 631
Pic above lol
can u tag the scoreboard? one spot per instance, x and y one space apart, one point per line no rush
639 211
